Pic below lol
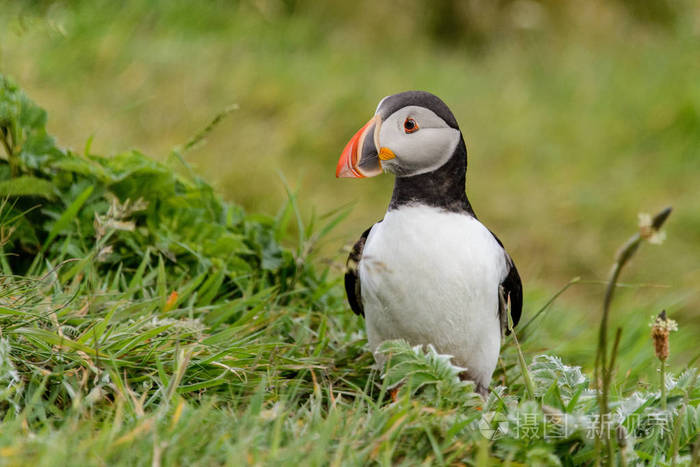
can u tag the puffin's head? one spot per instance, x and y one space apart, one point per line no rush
411 133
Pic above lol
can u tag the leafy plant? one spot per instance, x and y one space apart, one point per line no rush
138 209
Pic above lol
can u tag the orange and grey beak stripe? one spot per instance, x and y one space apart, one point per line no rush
360 157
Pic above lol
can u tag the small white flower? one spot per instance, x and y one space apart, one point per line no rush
667 324
647 230
644 220
657 238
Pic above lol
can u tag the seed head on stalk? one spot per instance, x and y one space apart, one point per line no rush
661 327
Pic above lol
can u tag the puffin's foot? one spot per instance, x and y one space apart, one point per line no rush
479 388
394 393
482 390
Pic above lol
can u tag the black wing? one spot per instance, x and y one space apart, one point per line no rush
511 289
352 275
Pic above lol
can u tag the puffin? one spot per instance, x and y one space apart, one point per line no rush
429 272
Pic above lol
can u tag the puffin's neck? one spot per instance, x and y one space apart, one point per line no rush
442 188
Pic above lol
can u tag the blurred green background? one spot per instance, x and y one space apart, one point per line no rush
577 116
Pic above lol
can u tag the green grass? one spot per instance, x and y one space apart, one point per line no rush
256 358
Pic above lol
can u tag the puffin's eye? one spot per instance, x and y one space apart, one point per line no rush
410 125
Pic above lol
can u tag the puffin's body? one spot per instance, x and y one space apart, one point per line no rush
429 272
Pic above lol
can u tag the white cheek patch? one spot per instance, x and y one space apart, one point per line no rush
419 152
423 151
429 150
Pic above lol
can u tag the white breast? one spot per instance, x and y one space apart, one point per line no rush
432 277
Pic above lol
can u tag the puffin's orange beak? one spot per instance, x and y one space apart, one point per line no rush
360 157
